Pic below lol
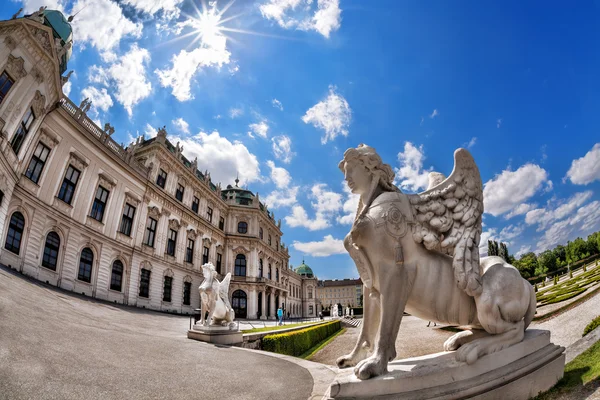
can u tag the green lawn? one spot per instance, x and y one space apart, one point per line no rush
568 289
311 352
277 327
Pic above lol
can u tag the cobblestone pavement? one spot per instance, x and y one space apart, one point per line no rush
59 345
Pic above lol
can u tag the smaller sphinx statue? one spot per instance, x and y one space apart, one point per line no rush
214 298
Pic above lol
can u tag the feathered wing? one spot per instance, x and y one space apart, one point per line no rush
224 290
448 219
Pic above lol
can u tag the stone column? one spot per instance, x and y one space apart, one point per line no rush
263 306
272 306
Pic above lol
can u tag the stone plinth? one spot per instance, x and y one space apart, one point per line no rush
216 334
517 373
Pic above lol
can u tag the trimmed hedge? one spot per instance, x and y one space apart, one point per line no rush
298 342
591 326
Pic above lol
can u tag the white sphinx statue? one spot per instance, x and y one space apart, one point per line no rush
420 254
214 298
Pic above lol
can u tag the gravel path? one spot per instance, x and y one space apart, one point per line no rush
568 327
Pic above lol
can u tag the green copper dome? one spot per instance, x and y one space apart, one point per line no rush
61 29
304 270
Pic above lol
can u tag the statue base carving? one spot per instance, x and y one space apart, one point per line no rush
216 334
520 371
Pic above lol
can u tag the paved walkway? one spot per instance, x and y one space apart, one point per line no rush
59 345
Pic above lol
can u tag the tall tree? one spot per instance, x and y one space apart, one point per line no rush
491 248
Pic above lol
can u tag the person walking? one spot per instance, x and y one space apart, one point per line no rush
280 315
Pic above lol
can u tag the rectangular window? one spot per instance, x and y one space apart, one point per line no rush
127 219
195 204
145 283
161 179
205 255
221 223
36 165
179 192
219 258
167 289
187 290
171 241
1 197
209 214
189 251
310 310
99 204
150 232
67 189
22 131
5 84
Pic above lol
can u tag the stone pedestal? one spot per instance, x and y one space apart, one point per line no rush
517 373
216 334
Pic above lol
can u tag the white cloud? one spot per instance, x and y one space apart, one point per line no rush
235 112
489 234
324 248
282 148
277 104
261 129
586 169
286 197
181 125
434 114
102 24
498 123
509 189
67 88
331 114
223 159
212 52
301 14
510 232
128 74
170 8
101 100
471 142
524 249
350 206
149 131
411 175
519 210
280 176
30 6
545 216
326 204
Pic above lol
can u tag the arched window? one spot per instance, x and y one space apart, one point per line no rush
238 303
116 279
269 271
260 233
51 251
15 233
277 274
242 227
85 265
269 240
260 268
240 265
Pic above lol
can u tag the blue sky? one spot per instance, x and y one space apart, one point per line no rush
280 88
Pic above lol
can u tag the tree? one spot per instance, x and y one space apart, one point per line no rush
527 265
547 262
560 253
491 249
504 252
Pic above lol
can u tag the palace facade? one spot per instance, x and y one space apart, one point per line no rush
130 225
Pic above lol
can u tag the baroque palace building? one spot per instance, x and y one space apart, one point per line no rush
129 225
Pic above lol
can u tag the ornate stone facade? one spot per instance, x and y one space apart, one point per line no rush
94 218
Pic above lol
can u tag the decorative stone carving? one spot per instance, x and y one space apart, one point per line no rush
405 245
37 75
42 38
15 67
38 104
65 79
106 181
191 234
154 212
206 241
214 298
132 199
174 224
10 42
161 135
48 138
109 129
78 161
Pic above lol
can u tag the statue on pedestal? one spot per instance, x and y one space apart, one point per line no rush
214 298
420 254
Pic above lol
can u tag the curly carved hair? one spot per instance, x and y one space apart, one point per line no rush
368 157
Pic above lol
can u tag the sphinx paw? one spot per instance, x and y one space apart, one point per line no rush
371 367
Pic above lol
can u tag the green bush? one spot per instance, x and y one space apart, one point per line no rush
298 342
592 325
357 310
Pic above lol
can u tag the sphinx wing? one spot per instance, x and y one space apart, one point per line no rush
448 219
224 290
